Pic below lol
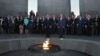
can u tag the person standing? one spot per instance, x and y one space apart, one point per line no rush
1 20
35 25
48 25
21 27
74 25
31 25
43 29
16 24
11 24
54 28
40 25
88 25
68 25
98 22
5 24
97 25
80 24
61 26
84 26
26 23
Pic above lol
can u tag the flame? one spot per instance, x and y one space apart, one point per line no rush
46 45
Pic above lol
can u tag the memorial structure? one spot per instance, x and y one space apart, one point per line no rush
53 7
13 7
89 7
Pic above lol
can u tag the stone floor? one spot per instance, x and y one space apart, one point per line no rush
25 36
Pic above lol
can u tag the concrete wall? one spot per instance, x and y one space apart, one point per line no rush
53 7
89 47
13 7
89 7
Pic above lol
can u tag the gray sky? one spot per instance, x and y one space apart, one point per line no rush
32 5
75 6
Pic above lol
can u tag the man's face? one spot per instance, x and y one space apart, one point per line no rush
48 16
53 17
61 15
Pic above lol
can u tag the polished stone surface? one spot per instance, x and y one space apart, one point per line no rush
28 36
61 53
38 48
84 44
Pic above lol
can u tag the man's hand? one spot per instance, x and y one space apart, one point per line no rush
50 26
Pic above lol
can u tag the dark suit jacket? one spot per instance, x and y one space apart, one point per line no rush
5 21
61 23
48 22
88 23
80 22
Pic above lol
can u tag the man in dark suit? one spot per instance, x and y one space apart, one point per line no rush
11 22
74 25
61 26
48 25
54 28
96 25
1 20
88 25
31 25
35 25
80 24
16 24
99 25
5 24
84 26
43 29
40 25
68 26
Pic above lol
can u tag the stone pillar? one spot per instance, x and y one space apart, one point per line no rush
91 7
53 7
13 7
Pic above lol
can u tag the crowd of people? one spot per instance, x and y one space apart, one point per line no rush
51 25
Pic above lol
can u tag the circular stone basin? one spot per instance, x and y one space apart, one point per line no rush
39 49
63 52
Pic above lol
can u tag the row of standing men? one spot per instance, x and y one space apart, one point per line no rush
51 25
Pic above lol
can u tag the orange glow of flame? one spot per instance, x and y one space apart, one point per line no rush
46 45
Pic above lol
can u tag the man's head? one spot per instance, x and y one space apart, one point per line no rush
61 15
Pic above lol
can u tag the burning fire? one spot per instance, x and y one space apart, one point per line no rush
46 45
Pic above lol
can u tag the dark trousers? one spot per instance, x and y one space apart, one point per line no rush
79 31
5 28
11 28
35 29
16 29
84 31
74 30
95 32
1 30
98 30
48 31
61 32
54 29
89 31
43 30
40 29
68 30
31 28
